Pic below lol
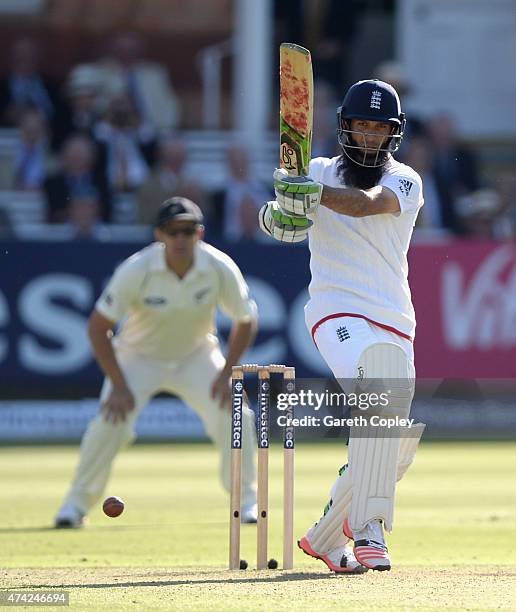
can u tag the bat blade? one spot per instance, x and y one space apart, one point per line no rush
296 108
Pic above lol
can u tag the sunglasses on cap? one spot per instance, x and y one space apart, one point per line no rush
176 231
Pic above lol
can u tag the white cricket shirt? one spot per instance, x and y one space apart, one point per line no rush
168 318
359 264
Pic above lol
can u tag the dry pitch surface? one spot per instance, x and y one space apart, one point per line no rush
453 546
407 588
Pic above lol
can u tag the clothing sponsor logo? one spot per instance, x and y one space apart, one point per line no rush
376 99
342 333
200 294
155 300
343 469
108 298
405 186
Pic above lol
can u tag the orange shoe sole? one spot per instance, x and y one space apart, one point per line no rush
304 545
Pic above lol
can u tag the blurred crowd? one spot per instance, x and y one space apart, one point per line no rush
110 134
459 199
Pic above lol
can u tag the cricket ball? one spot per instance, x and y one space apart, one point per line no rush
113 506
272 564
243 564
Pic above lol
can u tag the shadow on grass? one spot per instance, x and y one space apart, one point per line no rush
227 579
93 528
26 529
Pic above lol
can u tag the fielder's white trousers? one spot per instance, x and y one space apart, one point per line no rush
190 380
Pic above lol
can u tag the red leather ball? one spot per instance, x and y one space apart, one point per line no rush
113 506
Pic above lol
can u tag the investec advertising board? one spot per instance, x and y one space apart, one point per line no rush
464 295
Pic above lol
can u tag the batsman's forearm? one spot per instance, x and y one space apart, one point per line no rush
349 200
242 335
105 356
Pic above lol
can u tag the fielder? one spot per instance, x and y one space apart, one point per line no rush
166 294
359 210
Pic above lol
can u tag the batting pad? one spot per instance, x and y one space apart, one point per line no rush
327 533
374 449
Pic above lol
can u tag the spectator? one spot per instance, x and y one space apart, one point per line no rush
393 72
454 166
236 207
419 156
331 27
32 156
147 84
81 111
326 28
478 212
77 177
127 145
325 103
83 215
168 179
505 224
25 87
6 227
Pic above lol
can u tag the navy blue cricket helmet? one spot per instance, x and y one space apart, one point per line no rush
372 100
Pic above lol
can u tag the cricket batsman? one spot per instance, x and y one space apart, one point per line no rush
358 211
166 296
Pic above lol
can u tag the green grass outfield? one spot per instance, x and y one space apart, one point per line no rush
453 548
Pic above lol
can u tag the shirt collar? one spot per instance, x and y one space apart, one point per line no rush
158 263
201 259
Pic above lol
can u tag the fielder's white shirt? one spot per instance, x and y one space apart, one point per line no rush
359 264
167 318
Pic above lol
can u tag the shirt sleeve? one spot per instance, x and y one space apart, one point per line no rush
316 168
234 297
316 172
120 292
408 189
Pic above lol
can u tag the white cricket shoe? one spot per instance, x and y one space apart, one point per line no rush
69 517
249 513
370 548
340 560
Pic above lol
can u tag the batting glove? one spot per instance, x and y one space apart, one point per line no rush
281 225
297 195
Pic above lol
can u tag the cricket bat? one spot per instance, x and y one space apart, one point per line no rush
296 108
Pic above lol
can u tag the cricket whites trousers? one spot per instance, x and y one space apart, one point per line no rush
191 380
